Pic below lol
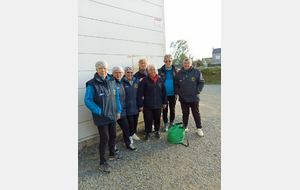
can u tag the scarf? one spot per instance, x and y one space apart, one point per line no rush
144 72
154 79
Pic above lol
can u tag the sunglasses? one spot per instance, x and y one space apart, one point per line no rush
167 61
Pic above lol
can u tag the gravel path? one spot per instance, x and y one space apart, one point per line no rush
159 164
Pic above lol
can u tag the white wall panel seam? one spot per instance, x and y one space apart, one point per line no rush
88 137
125 9
121 54
85 121
152 3
121 24
118 39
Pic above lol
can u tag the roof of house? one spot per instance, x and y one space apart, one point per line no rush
217 50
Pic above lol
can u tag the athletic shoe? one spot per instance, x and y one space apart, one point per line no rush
157 135
135 137
131 147
116 149
186 129
171 123
147 138
131 140
115 157
166 127
200 132
105 167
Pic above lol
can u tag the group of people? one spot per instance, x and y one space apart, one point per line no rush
120 96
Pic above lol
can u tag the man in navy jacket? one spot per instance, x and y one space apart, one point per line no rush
188 84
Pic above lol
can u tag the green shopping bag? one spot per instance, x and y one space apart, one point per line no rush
176 134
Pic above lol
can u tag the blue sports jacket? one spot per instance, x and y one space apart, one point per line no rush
102 98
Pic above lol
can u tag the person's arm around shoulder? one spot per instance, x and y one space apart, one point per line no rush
89 101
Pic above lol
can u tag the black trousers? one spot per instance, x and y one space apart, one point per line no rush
107 136
185 107
132 121
125 129
171 103
151 115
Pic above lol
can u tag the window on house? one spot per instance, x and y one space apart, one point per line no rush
217 57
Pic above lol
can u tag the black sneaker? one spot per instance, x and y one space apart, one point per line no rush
147 138
105 168
131 147
157 135
116 149
115 157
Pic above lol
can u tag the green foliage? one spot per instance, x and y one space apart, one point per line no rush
180 50
211 75
208 60
198 63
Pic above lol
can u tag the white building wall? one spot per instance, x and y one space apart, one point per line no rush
121 33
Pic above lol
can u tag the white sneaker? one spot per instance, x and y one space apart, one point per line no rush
135 137
186 129
131 140
200 132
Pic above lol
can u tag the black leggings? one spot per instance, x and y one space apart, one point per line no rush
107 136
125 129
185 106
132 121
172 103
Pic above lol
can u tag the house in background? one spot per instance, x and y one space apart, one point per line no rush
216 57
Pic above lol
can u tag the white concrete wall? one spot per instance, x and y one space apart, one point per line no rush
121 33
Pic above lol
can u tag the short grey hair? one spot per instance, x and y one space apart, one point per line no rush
128 68
117 68
168 56
152 65
101 63
188 59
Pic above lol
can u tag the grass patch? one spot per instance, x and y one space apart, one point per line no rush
211 75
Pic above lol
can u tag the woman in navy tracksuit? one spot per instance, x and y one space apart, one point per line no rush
168 73
102 98
131 85
118 74
155 97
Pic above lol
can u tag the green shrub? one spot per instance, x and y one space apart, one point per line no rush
211 75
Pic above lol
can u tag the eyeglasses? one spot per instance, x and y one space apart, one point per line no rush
168 61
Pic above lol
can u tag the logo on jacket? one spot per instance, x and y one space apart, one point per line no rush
136 86
114 92
160 84
193 79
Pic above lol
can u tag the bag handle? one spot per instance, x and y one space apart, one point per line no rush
186 145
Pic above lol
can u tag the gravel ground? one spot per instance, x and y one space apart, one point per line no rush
159 164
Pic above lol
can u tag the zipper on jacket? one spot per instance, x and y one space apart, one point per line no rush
155 95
